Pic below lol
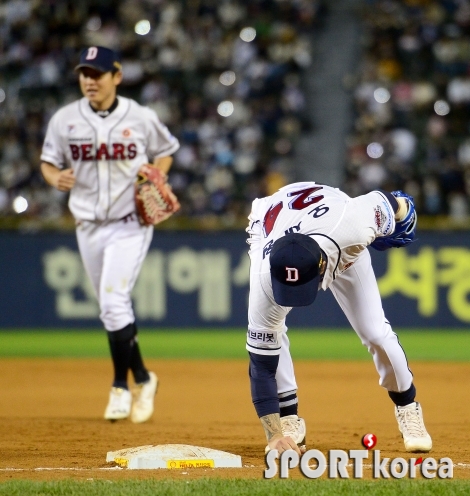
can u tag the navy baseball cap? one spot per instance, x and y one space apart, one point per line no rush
100 58
296 260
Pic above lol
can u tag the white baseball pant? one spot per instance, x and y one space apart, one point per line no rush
113 254
357 293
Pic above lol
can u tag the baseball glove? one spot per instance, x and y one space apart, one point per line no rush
154 200
405 230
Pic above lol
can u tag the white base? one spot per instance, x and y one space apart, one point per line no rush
173 456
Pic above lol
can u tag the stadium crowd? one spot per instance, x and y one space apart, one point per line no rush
412 100
223 75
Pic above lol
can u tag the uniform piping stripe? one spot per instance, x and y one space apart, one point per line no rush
169 150
109 161
337 246
259 348
267 351
141 256
406 358
287 393
288 397
288 403
95 133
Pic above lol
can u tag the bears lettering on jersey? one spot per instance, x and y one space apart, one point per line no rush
116 151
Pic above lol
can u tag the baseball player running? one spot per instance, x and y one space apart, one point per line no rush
309 236
94 147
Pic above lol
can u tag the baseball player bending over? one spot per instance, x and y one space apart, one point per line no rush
94 147
309 236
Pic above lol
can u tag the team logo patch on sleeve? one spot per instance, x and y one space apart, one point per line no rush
379 218
383 219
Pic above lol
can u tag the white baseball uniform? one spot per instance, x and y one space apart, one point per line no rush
343 227
105 155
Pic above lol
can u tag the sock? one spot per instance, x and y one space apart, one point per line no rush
137 366
121 344
262 372
288 403
405 397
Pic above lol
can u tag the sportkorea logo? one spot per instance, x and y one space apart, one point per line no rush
342 464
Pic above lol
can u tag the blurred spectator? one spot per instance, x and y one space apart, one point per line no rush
223 75
412 97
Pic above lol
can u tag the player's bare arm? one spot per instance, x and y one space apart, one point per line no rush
276 440
63 180
163 163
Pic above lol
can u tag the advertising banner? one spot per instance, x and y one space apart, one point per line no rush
200 279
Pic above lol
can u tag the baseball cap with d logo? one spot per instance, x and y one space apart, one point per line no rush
296 261
100 58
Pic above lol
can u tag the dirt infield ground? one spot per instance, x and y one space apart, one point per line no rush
51 424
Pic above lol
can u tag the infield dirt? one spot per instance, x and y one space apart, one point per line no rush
51 424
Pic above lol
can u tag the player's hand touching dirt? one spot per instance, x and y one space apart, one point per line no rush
276 440
283 443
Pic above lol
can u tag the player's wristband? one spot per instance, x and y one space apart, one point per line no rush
391 199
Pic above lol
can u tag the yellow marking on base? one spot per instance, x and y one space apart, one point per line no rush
190 464
122 462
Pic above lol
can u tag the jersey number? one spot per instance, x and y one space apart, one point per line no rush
270 218
303 199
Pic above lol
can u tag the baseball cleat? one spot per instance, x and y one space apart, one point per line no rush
119 404
144 395
294 427
411 425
